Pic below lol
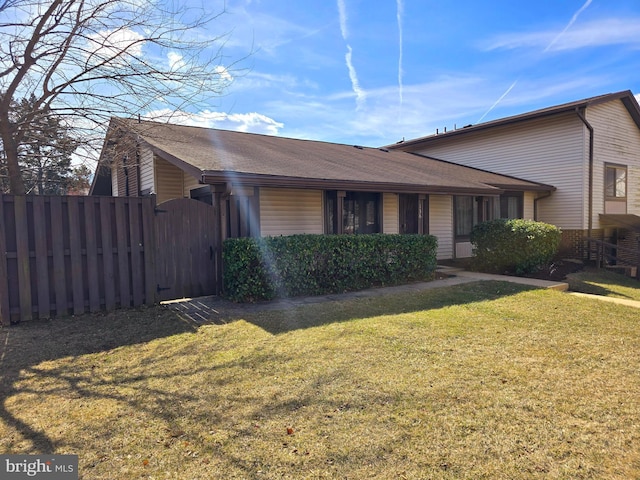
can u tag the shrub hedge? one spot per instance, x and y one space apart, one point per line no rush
513 246
265 268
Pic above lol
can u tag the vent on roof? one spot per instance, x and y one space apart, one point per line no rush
358 147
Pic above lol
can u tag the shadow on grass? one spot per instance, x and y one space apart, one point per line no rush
593 282
26 345
300 316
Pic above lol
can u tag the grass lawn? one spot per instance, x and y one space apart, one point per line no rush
603 282
483 380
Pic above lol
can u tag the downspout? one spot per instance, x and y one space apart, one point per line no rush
535 204
590 206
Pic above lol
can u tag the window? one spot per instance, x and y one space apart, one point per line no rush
615 181
511 205
352 212
469 210
360 213
331 212
466 216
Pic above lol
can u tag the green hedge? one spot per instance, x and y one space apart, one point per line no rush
513 246
265 268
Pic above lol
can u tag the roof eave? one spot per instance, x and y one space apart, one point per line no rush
260 180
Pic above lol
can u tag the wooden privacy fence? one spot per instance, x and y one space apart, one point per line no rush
71 255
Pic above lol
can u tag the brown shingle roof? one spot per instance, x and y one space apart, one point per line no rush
219 155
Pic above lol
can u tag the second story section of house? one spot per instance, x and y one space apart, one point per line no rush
588 149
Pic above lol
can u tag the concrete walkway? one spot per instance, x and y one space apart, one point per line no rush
619 301
214 309
475 276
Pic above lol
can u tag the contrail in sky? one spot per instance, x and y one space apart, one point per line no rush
400 15
498 101
571 22
342 11
355 84
360 94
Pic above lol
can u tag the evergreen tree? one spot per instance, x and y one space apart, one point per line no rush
44 155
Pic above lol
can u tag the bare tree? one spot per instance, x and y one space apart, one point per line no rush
88 60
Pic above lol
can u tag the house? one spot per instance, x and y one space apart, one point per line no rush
589 150
266 185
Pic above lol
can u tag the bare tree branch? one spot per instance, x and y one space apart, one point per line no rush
89 60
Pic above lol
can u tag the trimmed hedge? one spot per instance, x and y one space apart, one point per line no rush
265 268
513 246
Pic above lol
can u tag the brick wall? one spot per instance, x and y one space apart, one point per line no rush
572 243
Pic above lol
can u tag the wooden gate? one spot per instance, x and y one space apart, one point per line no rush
188 254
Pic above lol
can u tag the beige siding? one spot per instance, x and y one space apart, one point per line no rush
616 140
285 211
441 224
551 151
146 169
464 250
390 220
529 203
168 181
171 182
114 181
189 183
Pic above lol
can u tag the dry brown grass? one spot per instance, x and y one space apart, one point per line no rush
484 380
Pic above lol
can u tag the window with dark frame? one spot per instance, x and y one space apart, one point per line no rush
359 212
470 210
615 181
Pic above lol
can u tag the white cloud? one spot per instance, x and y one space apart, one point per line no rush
607 32
223 73
176 61
113 43
240 122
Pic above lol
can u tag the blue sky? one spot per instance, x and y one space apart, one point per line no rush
373 72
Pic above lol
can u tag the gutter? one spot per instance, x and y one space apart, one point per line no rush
590 205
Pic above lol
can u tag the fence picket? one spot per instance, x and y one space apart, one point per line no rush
123 253
106 227
136 256
58 252
5 313
42 256
22 247
149 251
75 251
92 253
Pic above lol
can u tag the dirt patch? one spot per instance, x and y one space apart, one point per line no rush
558 270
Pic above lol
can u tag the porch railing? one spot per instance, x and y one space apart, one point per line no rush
606 254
